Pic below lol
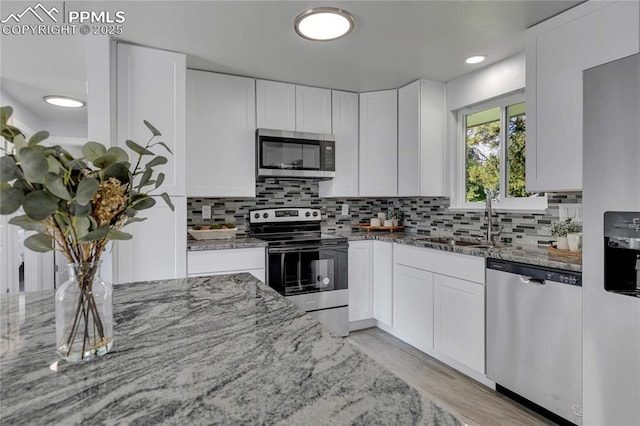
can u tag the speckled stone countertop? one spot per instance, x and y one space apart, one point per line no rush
233 243
529 254
210 350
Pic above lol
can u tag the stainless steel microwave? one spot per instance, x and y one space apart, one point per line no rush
287 154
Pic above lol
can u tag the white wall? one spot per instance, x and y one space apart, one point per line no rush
495 80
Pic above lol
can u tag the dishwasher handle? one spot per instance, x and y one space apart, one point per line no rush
531 280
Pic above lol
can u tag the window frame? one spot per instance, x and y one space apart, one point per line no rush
458 198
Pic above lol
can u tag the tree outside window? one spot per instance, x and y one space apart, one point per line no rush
489 162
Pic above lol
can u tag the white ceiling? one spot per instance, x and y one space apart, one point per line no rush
393 43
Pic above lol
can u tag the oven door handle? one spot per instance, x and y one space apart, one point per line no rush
306 249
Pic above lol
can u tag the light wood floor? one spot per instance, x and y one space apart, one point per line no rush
472 402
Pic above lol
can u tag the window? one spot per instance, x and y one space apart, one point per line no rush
493 156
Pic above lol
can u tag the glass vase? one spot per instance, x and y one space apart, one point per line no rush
84 314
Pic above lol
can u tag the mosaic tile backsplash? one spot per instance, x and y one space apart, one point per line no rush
424 215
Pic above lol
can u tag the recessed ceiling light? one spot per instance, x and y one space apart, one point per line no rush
324 23
475 59
63 101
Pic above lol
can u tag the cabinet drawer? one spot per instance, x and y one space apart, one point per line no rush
212 261
466 267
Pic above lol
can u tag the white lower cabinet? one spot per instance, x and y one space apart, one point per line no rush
383 282
413 306
458 322
360 280
230 261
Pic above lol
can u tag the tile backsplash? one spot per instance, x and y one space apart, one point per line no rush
421 214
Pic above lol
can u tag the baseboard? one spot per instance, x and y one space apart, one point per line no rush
362 324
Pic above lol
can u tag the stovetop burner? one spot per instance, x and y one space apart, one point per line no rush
289 226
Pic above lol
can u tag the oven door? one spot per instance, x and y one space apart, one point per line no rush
308 269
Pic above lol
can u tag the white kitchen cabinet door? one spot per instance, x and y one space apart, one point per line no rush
558 50
360 280
344 113
421 139
378 174
232 261
383 282
151 86
459 320
313 110
275 105
158 249
413 306
220 135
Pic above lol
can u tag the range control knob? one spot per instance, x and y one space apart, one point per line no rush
256 215
315 214
307 214
265 215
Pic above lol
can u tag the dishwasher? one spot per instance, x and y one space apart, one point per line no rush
534 336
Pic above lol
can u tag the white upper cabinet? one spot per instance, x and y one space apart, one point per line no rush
151 86
345 129
220 135
558 50
378 174
421 139
313 110
275 105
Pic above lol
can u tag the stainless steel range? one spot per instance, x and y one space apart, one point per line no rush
306 266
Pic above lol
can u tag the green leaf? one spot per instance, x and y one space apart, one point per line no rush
10 200
39 205
5 113
143 202
121 154
157 161
54 165
145 178
164 145
54 185
80 210
137 148
38 137
119 235
40 243
26 223
34 164
167 200
134 219
19 143
87 188
8 169
96 234
93 150
81 226
119 171
154 131
159 180
105 161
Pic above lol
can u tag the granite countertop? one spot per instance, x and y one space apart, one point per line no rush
210 350
525 253
233 243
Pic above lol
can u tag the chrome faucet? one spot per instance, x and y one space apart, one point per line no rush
491 232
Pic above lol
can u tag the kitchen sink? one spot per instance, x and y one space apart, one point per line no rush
457 242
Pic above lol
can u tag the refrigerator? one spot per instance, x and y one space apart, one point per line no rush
611 203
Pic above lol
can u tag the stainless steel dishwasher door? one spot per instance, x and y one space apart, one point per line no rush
534 335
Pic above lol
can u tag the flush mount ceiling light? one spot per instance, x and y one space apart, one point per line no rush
324 23
63 101
475 59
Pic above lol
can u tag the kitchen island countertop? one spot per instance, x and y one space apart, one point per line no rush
210 350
